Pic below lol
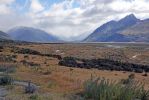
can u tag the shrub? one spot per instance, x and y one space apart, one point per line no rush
24 62
129 80
68 61
5 80
104 89
26 51
131 76
40 97
8 68
103 64
34 97
7 58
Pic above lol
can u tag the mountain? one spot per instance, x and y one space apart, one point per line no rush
111 31
31 35
4 36
139 32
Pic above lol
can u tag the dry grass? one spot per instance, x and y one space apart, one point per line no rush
59 80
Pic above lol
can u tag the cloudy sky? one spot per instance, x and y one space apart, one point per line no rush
67 18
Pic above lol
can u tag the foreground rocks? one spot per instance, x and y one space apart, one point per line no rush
3 93
103 64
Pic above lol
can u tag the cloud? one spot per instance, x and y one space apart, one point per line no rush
4 9
7 22
6 1
4 6
70 18
36 6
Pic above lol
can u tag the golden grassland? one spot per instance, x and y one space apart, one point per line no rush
56 81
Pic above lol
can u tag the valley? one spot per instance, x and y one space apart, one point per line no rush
39 63
74 49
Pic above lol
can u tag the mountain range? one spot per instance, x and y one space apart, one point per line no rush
127 29
31 35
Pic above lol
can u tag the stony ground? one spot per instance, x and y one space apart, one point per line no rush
3 93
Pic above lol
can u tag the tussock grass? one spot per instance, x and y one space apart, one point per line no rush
105 89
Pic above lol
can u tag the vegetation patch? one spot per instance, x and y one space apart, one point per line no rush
8 68
34 52
34 97
7 58
6 80
103 64
51 84
104 89
26 63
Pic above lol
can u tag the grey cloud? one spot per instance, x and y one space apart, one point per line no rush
90 16
8 22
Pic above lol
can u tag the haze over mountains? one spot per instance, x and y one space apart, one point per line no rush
127 29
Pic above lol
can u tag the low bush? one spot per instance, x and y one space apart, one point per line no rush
34 97
7 58
8 68
26 51
103 64
129 80
26 63
6 80
104 89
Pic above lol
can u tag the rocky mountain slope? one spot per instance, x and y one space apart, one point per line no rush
128 29
4 36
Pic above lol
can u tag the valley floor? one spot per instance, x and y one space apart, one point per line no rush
55 82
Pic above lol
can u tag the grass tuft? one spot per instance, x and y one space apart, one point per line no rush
105 89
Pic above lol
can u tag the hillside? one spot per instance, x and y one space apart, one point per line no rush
31 35
4 36
138 32
128 29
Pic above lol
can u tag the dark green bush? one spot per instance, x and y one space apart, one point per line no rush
6 80
34 97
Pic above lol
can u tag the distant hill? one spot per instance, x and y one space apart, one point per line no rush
128 29
31 35
4 36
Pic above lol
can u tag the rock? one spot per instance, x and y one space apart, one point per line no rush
3 92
